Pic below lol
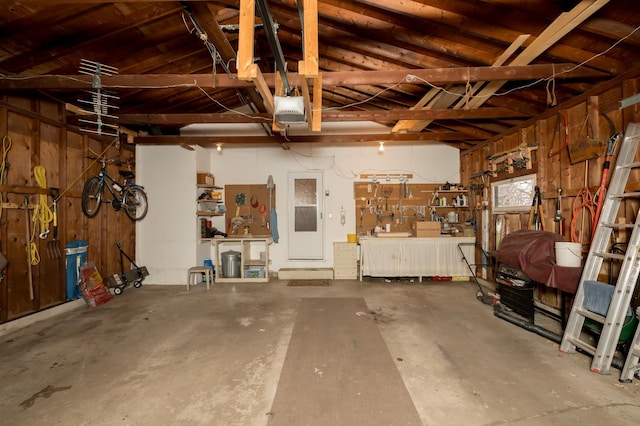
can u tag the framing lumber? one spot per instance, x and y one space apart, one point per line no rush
560 27
310 39
330 79
327 116
422 138
416 126
246 39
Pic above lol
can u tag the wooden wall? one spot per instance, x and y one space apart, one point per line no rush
556 171
38 135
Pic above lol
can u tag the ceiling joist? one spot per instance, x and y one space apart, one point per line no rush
339 78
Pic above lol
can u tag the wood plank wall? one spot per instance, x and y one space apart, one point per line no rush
557 171
39 136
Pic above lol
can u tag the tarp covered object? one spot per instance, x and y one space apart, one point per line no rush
533 252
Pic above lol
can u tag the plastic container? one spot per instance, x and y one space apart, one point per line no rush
568 254
209 263
76 252
230 264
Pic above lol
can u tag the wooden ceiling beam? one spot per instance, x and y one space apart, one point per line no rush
48 54
499 23
340 78
406 125
560 27
278 139
327 116
442 40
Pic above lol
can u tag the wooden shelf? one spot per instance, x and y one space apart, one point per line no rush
208 213
204 186
246 260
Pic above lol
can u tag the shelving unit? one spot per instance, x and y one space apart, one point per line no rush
254 258
209 208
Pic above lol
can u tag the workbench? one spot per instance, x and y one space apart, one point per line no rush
415 257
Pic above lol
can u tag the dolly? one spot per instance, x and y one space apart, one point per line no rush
121 280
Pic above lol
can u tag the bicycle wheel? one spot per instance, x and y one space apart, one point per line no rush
92 196
134 202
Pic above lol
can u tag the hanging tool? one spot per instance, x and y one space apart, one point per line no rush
600 195
270 186
566 134
28 246
558 217
536 215
53 246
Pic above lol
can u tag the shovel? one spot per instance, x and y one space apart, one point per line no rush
53 247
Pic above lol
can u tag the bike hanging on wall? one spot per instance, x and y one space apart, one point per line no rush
102 188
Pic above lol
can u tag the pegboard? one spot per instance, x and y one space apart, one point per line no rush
251 203
399 204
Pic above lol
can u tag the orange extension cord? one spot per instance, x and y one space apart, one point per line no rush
585 203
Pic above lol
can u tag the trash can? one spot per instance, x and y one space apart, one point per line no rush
76 252
231 264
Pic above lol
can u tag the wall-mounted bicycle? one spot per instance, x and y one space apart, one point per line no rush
126 195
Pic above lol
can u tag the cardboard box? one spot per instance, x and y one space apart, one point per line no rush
205 179
427 229
465 231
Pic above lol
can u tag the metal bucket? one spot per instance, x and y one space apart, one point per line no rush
230 264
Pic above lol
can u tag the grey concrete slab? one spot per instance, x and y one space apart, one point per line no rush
163 355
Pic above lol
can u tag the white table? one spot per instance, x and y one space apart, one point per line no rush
415 257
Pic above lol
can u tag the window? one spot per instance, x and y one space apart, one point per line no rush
513 195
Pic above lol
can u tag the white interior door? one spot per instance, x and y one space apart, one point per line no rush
305 210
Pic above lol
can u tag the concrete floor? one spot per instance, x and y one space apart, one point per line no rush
161 355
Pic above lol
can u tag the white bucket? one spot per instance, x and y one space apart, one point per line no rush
568 254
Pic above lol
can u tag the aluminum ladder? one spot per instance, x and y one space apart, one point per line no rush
632 364
612 324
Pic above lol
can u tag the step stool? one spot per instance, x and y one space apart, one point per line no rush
194 275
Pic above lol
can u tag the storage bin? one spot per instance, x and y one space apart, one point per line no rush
76 255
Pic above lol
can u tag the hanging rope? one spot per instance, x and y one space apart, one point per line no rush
467 89
42 214
551 88
583 203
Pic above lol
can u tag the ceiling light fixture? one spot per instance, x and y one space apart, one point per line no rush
219 147
381 146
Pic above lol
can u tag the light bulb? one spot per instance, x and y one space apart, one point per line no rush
219 147
381 147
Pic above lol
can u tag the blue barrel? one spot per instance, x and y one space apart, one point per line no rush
76 255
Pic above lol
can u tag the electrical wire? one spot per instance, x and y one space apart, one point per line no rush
409 78
583 203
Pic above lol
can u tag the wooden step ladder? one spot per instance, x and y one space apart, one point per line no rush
612 316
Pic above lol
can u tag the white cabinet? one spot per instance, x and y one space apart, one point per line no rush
254 258
414 257
345 261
